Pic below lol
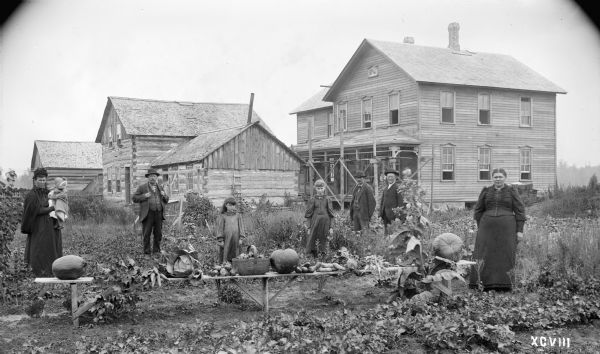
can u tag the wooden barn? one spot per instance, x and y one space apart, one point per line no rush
79 162
137 134
246 161
452 115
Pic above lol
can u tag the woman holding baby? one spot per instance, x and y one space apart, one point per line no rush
44 240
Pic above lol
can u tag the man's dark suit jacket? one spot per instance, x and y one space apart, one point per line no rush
390 198
138 197
365 199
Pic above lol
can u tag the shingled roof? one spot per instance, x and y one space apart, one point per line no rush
204 144
68 154
174 118
391 135
314 103
447 66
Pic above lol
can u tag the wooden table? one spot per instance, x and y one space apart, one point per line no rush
74 308
264 298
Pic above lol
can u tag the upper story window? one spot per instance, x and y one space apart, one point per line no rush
525 164
329 124
342 116
109 135
367 112
448 163
525 120
373 71
447 104
394 108
484 163
119 133
484 108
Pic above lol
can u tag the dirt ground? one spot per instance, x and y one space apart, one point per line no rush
177 304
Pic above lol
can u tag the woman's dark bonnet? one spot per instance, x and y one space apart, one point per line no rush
40 172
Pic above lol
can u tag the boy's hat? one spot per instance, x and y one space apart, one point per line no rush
360 174
392 171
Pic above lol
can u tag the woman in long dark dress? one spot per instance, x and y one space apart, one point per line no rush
44 241
500 216
319 213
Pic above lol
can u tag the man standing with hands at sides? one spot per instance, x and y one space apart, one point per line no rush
362 205
152 199
390 199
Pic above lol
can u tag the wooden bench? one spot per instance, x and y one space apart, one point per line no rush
74 308
264 299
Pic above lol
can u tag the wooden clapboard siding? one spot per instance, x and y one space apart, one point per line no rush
356 85
321 119
77 179
256 151
504 136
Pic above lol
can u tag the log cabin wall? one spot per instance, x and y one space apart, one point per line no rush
77 179
128 155
252 184
253 164
146 149
116 156
504 136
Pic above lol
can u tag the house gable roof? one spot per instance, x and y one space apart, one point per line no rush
68 154
174 118
314 103
204 144
447 66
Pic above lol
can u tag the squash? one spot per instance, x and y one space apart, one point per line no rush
284 261
68 267
448 245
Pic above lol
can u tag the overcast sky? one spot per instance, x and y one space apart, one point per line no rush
59 60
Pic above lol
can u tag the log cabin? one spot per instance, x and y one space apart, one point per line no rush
210 148
450 115
79 162
245 161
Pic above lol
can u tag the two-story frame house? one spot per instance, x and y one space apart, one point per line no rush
451 115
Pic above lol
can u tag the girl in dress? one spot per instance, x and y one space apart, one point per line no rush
319 215
230 231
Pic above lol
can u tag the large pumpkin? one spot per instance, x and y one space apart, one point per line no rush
448 245
284 261
68 267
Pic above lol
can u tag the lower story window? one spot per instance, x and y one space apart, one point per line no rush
525 164
448 163
485 155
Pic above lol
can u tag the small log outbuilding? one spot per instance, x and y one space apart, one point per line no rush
245 161
78 162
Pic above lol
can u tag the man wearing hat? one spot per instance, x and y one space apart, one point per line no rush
362 205
152 199
390 198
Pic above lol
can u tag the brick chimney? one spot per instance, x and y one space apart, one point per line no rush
453 36
409 40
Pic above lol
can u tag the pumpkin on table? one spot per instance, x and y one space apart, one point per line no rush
68 267
284 261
